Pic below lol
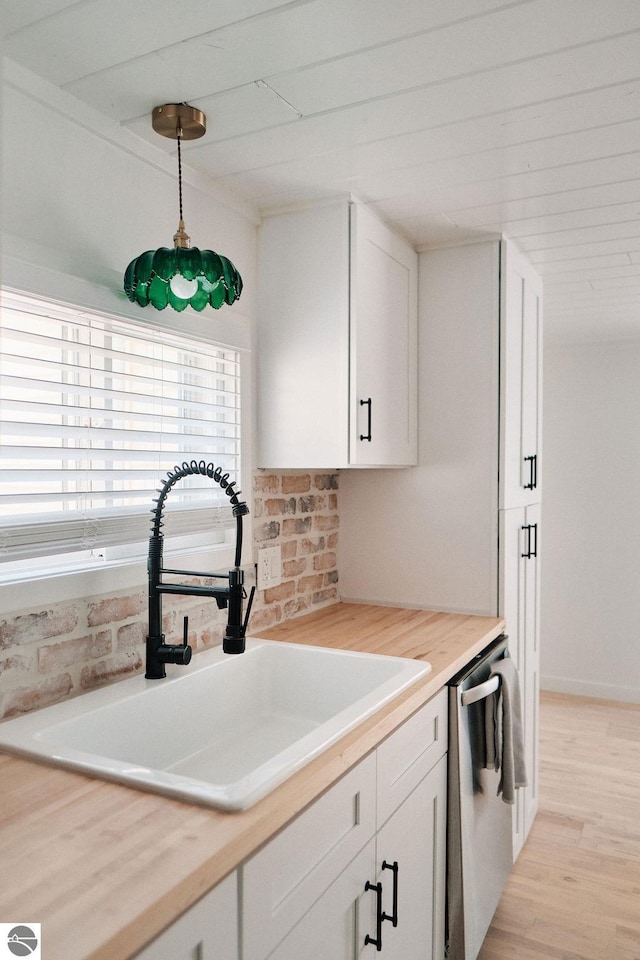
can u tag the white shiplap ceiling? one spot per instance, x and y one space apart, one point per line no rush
454 119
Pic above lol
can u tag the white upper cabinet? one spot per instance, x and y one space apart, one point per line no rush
337 341
521 379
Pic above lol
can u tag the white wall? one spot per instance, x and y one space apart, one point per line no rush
427 536
590 619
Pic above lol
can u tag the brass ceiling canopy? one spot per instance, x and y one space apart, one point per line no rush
170 118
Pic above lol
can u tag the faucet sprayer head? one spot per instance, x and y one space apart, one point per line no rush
239 507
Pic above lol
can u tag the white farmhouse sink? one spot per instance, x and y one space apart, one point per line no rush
223 731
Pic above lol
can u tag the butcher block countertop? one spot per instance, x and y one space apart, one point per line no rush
105 868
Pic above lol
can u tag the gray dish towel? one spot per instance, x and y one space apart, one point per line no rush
504 732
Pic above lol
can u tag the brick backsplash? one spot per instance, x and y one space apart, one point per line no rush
47 655
299 512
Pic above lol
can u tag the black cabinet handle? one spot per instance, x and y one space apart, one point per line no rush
533 474
394 916
531 542
367 435
377 941
534 549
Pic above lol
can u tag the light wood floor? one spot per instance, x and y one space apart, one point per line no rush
574 893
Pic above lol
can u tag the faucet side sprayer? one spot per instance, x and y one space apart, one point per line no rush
229 596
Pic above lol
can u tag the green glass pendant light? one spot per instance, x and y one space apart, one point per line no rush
183 275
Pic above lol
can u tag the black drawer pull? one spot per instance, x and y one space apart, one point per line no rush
377 941
394 915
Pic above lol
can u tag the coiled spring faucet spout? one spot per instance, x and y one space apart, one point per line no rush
229 596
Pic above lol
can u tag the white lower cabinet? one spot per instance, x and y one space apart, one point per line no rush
406 858
370 851
411 865
359 873
208 931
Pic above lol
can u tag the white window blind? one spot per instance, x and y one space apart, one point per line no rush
94 411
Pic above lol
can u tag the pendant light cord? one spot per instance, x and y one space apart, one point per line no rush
178 138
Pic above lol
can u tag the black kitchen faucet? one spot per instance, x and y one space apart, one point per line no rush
229 596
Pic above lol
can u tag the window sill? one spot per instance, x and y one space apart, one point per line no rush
108 577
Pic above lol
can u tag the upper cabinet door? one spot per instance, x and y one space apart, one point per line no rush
303 339
520 379
383 345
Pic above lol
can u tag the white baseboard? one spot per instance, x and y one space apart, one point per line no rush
579 688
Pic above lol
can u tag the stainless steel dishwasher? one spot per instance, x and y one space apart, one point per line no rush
479 834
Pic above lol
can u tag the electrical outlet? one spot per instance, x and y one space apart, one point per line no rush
269 567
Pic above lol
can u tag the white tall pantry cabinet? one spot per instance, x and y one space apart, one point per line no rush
491 291
520 499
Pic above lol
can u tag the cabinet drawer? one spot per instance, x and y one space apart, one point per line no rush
284 879
410 753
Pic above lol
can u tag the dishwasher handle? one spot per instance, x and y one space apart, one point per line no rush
480 692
